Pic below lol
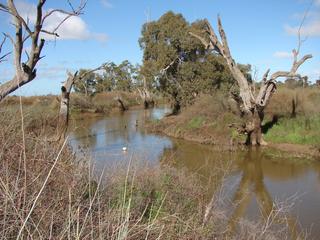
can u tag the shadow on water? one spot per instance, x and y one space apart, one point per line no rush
255 180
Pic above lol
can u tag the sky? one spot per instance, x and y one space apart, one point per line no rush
261 33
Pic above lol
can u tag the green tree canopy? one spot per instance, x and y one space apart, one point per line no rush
87 84
176 62
122 77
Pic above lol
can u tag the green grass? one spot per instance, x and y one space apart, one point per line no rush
195 122
299 130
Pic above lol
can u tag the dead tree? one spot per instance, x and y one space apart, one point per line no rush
63 118
66 87
121 104
24 32
146 95
252 107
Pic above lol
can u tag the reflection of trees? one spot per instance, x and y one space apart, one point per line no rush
84 135
252 183
254 166
209 164
119 128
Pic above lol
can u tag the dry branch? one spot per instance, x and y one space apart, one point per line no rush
3 57
26 71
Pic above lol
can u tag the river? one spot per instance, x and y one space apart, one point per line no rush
259 178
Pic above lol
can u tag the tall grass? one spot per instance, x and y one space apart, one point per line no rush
300 128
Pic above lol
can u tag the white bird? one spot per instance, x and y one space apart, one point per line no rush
124 149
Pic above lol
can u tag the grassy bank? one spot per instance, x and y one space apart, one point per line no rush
300 130
292 117
206 121
47 193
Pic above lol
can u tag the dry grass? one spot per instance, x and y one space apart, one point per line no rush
306 101
103 102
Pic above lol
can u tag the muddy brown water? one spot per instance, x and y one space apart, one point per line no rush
258 179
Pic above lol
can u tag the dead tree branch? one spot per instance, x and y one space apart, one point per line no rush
3 57
251 106
26 71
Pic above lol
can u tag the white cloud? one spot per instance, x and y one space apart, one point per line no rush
311 24
74 28
311 29
282 54
51 72
106 4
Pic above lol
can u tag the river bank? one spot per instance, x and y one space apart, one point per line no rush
211 120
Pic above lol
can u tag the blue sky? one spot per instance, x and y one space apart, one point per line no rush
261 33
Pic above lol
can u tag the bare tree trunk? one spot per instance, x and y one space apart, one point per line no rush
63 118
252 107
145 95
121 104
12 85
254 127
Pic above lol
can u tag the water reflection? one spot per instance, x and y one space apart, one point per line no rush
257 182
252 186
106 137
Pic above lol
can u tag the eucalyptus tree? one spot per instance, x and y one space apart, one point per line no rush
175 63
86 84
125 74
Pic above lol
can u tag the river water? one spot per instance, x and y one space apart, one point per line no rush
257 180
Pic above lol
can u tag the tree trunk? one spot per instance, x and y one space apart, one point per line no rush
63 118
14 84
121 104
145 95
254 127
294 104
176 106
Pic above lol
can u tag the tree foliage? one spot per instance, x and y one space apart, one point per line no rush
122 77
176 63
87 84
